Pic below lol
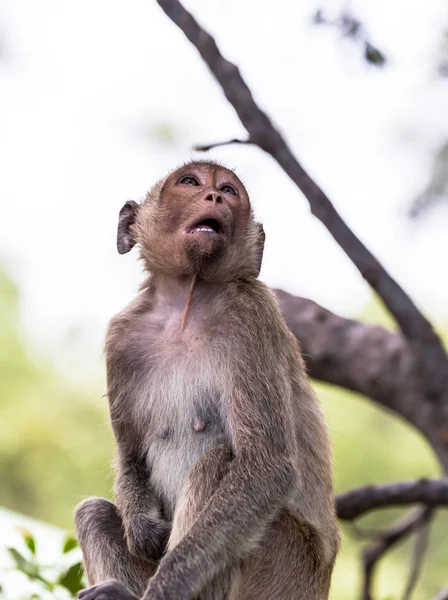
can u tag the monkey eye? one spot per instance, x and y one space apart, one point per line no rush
228 189
188 180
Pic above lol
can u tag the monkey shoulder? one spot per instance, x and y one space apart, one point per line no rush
127 321
123 349
255 315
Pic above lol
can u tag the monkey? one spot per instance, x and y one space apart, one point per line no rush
224 484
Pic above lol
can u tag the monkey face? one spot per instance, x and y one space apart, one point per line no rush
203 208
198 220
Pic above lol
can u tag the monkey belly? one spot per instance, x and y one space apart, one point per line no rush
174 451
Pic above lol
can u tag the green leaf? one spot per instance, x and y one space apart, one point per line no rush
22 563
29 568
28 539
69 543
72 579
377 58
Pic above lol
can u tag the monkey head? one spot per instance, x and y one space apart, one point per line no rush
196 221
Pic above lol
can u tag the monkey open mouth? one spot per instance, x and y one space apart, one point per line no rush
209 226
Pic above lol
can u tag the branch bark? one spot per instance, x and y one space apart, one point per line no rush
358 502
427 346
363 358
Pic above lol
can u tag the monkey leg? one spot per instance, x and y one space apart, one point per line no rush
202 481
287 564
100 533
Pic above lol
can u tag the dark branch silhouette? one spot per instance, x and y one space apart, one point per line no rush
208 147
358 502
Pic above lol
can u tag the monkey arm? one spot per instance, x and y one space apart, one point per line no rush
145 531
247 499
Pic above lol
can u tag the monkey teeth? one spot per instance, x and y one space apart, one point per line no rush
208 225
204 228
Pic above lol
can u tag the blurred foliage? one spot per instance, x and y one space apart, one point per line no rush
56 447
49 577
436 189
350 27
443 59
55 441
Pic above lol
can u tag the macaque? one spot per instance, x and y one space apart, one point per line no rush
224 484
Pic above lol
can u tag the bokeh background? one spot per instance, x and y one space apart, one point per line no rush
100 98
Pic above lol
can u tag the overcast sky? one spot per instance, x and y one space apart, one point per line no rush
98 98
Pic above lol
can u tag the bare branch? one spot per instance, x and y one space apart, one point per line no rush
200 148
385 541
421 545
360 501
363 533
417 329
364 358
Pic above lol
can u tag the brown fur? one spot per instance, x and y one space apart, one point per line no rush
221 443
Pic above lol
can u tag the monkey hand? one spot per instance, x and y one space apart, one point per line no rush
110 590
147 537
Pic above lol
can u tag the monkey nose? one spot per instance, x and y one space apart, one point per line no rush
214 197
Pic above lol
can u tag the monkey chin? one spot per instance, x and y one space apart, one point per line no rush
204 252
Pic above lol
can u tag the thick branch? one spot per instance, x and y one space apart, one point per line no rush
414 325
360 501
367 359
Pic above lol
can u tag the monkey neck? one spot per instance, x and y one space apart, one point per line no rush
180 294
188 302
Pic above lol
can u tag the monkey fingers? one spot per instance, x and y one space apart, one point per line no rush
110 590
147 537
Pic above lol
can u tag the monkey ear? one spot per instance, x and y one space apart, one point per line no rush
125 241
259 248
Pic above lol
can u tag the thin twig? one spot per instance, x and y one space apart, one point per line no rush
416 328
200 148
359 501
421 545
363 533
386 540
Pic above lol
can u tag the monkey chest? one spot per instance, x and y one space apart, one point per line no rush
186 418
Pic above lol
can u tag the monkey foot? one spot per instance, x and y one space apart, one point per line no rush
110 590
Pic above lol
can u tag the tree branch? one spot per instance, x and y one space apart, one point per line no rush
358 502
208 147
420 548
416 328
386 540
367 359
